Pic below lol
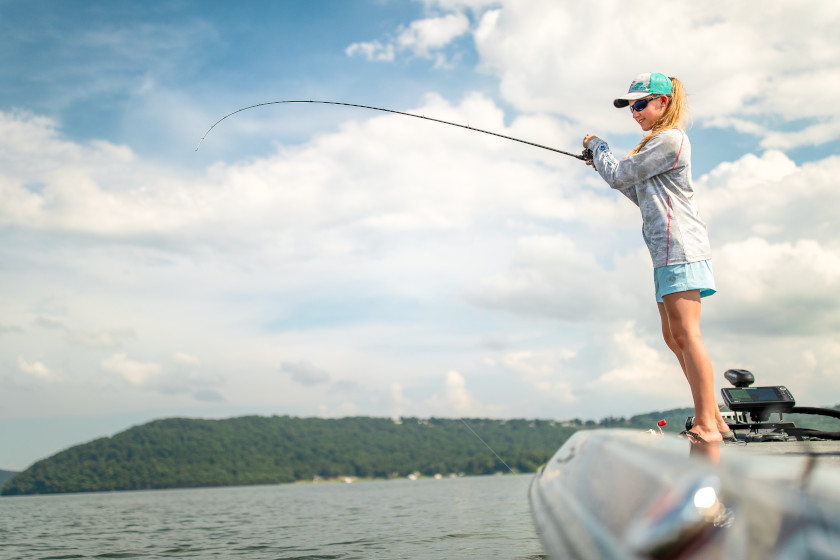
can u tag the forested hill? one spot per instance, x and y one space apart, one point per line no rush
180 452
6 475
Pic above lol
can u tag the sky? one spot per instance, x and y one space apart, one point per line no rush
315 260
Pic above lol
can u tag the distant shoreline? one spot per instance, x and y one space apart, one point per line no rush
256 450
6 476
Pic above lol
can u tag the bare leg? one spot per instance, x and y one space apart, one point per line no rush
681 315
674 347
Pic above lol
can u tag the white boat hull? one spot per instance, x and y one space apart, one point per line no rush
626 494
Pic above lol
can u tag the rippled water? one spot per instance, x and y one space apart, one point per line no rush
471 517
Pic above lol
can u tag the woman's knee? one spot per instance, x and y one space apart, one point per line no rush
683 334
670 341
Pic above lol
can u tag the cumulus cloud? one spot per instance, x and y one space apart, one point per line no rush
401 242
454 399
528 239
554 276
305 373
91 338
542 54
782 288
40 371
50 184
643 373
101 338
421 38
544 371
139 374
398 404
770 196
776 250
317 200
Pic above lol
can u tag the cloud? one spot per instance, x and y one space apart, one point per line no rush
398 403
778 289
184 359
776 249
541 52
454 399
101 338
372 50
543 371
39 371
182 378
305 373
139 374
397 244
642 373
428 34
421 39
48 323
554 276
91 338
478 226
208 396
76 184
770 196
345 387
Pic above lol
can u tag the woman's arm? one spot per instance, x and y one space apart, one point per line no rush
606 159
659 155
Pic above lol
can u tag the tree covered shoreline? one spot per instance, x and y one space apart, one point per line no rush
184 453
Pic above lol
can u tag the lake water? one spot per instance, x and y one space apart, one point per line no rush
459 518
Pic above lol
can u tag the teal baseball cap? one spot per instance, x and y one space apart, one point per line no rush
652 83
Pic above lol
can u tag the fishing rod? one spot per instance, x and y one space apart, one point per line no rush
585 156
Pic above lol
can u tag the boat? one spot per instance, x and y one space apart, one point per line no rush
773 493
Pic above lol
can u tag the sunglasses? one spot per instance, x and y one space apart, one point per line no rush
641 104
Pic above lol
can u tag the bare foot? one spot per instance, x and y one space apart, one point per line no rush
722 426
705 434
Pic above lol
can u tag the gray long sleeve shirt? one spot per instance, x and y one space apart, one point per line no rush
658 181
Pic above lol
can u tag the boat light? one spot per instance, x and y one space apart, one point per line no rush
705 498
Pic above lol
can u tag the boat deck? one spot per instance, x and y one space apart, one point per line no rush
629 494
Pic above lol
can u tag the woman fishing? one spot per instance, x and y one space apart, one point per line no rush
656 176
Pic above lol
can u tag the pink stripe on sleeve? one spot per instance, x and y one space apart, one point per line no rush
668 241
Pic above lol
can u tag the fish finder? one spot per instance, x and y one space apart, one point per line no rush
750 409
758 400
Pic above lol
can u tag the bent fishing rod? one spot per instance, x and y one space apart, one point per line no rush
585 156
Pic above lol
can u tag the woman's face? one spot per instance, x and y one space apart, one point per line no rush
651 113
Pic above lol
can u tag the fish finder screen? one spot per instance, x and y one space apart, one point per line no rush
755 394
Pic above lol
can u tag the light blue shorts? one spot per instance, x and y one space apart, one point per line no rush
684 277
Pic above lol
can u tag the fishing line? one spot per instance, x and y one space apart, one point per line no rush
586 155
487 446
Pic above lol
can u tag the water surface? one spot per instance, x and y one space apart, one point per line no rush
460 518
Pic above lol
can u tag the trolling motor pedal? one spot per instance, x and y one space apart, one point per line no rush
739 377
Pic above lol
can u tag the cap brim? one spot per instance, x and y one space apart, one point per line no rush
625 99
